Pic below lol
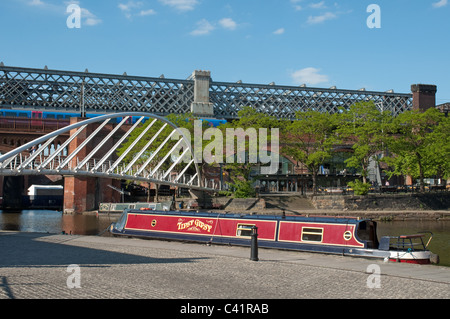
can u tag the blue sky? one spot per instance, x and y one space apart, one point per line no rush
321 43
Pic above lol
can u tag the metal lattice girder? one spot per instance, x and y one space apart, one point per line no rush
92 92
85 92
284 101
154 152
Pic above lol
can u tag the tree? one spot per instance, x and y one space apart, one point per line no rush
310 139
363 125
244 159
419 143
440 148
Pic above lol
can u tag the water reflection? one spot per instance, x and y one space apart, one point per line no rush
53 222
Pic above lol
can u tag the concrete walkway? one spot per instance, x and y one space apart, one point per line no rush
35 266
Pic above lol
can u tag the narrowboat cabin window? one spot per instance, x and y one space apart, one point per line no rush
244 230
312 234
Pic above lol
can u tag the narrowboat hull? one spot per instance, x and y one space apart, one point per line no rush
417 257
343 236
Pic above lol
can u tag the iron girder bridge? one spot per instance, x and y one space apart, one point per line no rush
283 102
86 92
156 151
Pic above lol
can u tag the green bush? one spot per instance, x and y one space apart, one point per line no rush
225 193
244 189
359 187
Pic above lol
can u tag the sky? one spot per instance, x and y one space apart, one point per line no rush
350 44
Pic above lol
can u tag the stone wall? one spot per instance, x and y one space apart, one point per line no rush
332 202
227 203
396 202
388 202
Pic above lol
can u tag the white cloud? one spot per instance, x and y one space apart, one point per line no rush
88 18
204 27
321 18
132 8
295 4
278 31
180 5
36 3
441 3
318 5
147 12
228 23
130 5
309 76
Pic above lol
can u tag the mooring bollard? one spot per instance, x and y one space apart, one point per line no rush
254 249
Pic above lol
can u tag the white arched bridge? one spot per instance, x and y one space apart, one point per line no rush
138 147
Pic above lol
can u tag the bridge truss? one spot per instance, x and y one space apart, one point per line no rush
154 152
85 92
283 102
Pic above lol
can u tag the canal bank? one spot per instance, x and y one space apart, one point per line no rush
37 266
94 223
386 215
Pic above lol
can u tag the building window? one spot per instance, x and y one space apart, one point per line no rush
312 234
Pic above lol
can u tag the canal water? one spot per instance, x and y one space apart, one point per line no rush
55 223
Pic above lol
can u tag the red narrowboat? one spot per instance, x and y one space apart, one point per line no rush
334 235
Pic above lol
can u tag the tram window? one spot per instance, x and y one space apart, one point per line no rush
312 234
244 230
12 114
36 115
21 114
50 116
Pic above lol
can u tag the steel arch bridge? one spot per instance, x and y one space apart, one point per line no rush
156 151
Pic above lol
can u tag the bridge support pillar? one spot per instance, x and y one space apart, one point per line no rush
83 194
12 192
201 105
79 192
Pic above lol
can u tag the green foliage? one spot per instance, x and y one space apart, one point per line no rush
310 139
248 118
226 193
419 142
365 126
244 189
359 188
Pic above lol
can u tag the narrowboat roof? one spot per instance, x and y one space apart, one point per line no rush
298 218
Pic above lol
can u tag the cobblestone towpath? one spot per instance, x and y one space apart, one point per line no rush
45 266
